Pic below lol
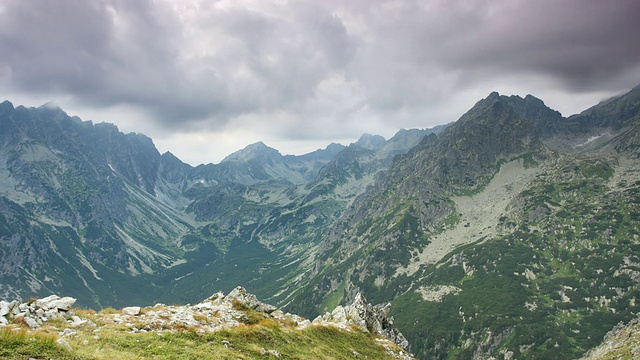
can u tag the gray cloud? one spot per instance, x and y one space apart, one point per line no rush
434 48
313 70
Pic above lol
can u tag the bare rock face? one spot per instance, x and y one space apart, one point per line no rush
249 300
369 318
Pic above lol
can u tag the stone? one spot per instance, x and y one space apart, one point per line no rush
131 310
3 321
4 308
31 322
45 302
217 296
54 302
63 304
62 342
275 353
67 332
15 309
76 321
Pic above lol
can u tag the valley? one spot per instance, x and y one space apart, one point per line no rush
511 233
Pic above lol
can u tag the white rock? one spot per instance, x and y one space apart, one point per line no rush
67 332
31 322
4 308
131 310
275 353
63 304
44 303
64 344
76 321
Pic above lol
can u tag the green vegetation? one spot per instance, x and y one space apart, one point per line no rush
19 344
551 288
261 340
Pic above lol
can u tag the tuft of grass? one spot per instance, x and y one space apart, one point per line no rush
108 311
20 344
242 342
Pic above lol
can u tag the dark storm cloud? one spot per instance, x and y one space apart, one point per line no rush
310 69
582 43
421 52
216 64
50 46
104 53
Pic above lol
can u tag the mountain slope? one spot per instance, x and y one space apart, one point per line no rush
93 212
511 233
490 235
79 205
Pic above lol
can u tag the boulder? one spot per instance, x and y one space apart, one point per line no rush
54 302
31 322
63 304
4 308
132 310
62 342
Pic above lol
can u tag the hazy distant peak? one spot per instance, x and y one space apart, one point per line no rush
334 147
50 106
253 151
371 142
6 105
493 95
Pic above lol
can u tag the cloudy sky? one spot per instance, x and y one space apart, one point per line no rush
204 78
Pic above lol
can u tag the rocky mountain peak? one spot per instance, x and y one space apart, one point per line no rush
370 142
494 95
334 148
256 150
509 111
6 106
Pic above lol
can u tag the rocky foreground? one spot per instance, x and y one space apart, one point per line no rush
217 313
622 342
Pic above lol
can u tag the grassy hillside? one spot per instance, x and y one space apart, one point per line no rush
235 326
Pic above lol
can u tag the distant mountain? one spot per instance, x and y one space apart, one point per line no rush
370 142
80 206
90 211
511 233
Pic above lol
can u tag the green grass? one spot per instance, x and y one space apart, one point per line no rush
251 341
332 300
18 344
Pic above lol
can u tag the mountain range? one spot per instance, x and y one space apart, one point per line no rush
511 233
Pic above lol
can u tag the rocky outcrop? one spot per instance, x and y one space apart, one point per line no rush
215 313
251 301
374 319
35 313
622 342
